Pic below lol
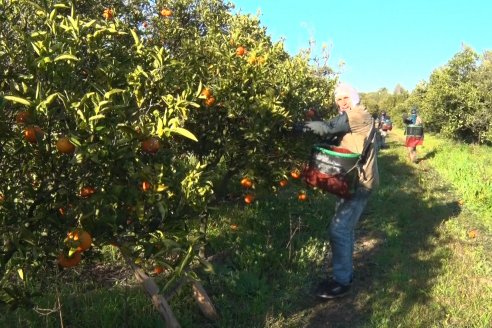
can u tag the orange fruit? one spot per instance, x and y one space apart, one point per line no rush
296 174
151 145
158 270
302 196
249 199
206 92
283 183
240 51
69 261
64 146
22 117
108 13
234 226
2 197
166 12
310 113
80 239
31 134
210 101
146 186
246 182
87 191
473 233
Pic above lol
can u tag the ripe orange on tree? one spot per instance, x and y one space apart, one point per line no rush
151 145
240 51
87 191
249 199
296 174
22 117
158 270
146 186
79 239
2 197
66 261
108 13
302 196
206 92
32 133
166 12
246 182
310 113
283 183
252 60
65 146
210 101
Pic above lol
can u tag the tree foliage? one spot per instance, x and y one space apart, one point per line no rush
456 100
156 107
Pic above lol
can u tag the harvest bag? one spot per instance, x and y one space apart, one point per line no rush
387 125
415 135
414 130
332 169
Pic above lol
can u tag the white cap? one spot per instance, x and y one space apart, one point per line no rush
345 89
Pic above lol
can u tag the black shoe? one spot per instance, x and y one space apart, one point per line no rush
332 289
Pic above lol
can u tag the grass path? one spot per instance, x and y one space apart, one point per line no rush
410 270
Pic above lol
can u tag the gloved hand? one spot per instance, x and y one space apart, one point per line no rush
298 128
316 127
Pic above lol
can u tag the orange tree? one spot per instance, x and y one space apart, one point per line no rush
120 120
89 114
253 90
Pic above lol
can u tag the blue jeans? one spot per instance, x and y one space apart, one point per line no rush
342 238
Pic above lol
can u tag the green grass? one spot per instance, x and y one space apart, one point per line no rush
416 265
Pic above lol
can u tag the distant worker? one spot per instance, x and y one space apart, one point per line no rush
384 126
415 134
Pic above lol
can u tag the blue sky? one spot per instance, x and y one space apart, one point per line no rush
382 43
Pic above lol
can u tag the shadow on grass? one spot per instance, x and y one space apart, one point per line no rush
429 155
274 260
396 261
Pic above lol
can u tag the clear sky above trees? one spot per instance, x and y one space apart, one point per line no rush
381 43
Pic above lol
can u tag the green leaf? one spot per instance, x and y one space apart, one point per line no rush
21 273
38 33
160 127
185 133
36 49
81 115
89 24
66 57
50 98
108 94
199 90
52 14
95 117
18 100
135 37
